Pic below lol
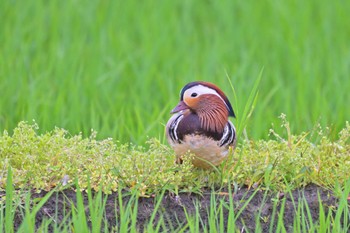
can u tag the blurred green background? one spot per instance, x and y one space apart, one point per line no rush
118 66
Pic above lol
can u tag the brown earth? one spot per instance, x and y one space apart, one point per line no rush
172 207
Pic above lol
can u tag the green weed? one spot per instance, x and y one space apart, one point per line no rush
56 159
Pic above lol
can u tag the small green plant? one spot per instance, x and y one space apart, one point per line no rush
56 159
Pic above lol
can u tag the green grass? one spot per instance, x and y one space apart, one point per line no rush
78 220
117 66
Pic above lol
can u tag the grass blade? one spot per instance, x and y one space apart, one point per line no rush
9 209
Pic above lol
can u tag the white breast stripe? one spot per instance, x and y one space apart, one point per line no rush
176 125
173 127
229 135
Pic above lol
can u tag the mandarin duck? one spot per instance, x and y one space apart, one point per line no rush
200 125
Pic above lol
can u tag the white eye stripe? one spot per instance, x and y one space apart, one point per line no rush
202 90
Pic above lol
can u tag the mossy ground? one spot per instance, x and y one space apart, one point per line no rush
278 177
45 161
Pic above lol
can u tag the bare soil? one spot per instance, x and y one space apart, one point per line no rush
172 207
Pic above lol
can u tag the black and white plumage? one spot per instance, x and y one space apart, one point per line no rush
200 125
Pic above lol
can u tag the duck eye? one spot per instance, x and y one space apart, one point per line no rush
194 94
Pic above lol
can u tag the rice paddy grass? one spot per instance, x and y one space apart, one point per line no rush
117 67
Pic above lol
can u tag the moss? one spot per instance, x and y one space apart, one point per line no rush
58 159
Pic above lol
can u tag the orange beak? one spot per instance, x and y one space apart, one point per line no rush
180 106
